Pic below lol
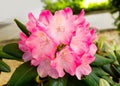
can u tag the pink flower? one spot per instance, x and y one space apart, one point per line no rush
32 23
58 44
65 62
79 19
41 45
82 44
27 55
61 28
83 39
44 69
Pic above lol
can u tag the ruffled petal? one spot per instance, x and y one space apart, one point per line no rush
21 43
27 56
31 24
79 19
45 69
65 61
68 12
61 27
41 45
83 69
45 17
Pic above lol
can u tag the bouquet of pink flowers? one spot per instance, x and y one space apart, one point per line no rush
57 50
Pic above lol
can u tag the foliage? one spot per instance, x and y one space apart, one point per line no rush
116 9
3 66
60 4
97 7
76 5
106 69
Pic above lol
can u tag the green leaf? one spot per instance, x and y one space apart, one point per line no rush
22 27
100 44
24 75
101 60
99 71
110 56
58 82
116 69
7 56
107 68
13 50
92 79
4 67
111 82
73 81
118 56
117 85
103 82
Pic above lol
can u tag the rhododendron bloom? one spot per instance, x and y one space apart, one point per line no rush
58 44
65 60
27 54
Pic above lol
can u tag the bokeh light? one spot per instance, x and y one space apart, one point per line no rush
86 3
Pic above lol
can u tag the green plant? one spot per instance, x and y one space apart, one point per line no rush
60 4
76 5
3 66
116 9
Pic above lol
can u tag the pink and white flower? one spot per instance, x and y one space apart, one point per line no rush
58 44
65 61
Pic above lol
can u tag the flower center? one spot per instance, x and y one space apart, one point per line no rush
60 28
60 47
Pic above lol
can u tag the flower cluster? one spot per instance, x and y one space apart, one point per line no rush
58 44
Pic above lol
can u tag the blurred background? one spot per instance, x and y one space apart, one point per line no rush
10 9
98 13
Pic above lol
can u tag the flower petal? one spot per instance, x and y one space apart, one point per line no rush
65 61
83 70
79 19
45 17
61 27
31 25
45 69
41 45
68 12
21 43
27 56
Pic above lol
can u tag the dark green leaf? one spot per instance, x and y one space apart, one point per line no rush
92 79
58 82
116 69
7 56
118 56
99 71
13 50
73 81
4 67
110 56
24 75
101 60
22 27
107 68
